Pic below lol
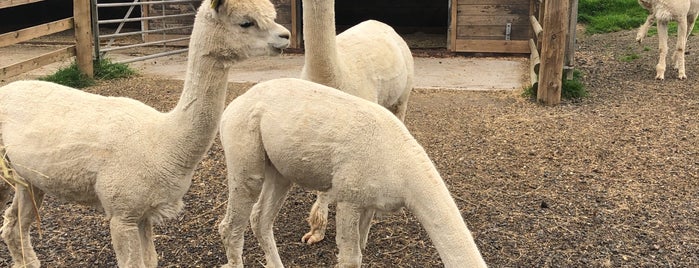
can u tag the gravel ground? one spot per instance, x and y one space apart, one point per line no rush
607 181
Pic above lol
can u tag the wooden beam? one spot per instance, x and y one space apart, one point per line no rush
295 25
453 19
36 31
553 52
492 46
570 43
83 36
37 62
12 3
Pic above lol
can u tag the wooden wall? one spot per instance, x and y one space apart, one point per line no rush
481 26
474 25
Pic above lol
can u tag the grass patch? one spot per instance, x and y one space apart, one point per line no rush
630 57
604 16
104 69
571 90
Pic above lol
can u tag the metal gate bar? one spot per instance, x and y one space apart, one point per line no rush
100 50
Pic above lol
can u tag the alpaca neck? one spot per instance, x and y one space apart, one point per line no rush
429 199
197 114
321 63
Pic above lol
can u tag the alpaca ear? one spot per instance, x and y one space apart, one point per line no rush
216 3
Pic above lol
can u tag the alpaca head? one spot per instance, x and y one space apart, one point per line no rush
243 28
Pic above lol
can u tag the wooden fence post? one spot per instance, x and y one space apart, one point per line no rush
570 44
553 51
83 36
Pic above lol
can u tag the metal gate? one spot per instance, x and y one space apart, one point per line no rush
157 19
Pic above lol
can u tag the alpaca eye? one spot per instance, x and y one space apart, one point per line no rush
247 24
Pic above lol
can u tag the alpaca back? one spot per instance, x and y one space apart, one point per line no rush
312 133
377 62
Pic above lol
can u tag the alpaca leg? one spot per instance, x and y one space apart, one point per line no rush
401 107
643 30
662 47
364 226
126 240
317 219
678 56
16 227
243 191
264 212
348 237
691 20
150 257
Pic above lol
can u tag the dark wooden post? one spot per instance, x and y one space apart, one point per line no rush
553 51
83 36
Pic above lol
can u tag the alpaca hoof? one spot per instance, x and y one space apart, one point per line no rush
682 77
311 238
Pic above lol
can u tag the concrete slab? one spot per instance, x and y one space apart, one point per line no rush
466 73
459 72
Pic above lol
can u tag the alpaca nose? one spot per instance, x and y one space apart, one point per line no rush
284 36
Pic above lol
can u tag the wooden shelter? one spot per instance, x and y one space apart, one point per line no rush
491 26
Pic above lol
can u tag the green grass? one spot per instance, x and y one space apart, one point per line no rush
630 57
604 16
104 70
571 90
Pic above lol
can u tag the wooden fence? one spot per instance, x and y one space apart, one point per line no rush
552 52
82 49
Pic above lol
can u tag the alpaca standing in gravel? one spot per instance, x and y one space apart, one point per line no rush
369 60
118 154
685 13
289 130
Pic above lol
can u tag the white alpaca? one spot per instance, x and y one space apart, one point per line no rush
369 60
288 131
685 13
118 154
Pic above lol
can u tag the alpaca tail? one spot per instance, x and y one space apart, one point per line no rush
6 188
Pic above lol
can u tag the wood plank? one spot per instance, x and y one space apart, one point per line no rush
492 46
495 2
493 10
515 19
492 32
30 33
12 3
37 62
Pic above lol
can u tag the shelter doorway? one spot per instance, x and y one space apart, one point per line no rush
422 23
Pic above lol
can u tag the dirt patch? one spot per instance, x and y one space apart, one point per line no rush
609 181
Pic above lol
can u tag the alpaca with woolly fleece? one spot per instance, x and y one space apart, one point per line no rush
369 60
663 11
120 155
286 131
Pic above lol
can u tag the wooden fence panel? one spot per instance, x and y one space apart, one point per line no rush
37 62
81 22
11 3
